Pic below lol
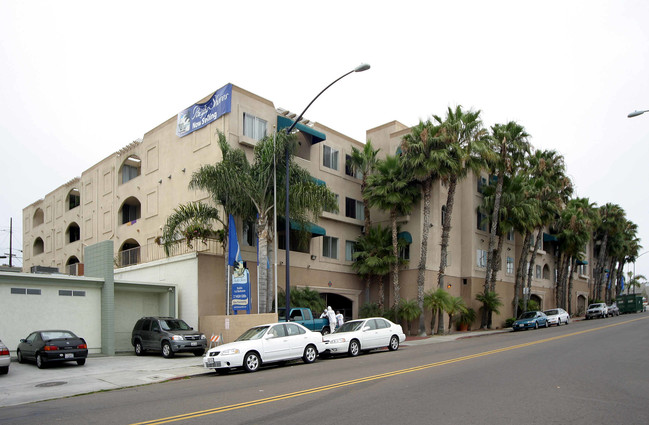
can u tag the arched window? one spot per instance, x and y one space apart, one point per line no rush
74 199
39 217
73 267
546 272
73 233
131 168
130 210
129 253
39 246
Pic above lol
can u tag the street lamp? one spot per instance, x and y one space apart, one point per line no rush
636 113
360 68
634 260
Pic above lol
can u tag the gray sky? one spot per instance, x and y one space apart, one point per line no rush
79 81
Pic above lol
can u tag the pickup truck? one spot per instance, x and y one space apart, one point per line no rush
305 317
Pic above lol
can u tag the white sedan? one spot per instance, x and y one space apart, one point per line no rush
5 359
364 334
274 342
557 316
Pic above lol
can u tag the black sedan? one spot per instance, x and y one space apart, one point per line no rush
45 347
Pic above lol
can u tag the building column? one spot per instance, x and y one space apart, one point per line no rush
99 263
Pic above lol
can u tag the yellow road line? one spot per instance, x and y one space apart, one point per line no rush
368 378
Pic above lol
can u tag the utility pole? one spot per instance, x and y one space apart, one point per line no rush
11 227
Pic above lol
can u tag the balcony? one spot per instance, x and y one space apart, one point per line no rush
153 251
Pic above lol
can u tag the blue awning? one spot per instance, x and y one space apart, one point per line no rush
283 122
582 262
549 238
405 236
319 182
314 229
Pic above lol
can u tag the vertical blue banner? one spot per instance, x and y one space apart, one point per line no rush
234 254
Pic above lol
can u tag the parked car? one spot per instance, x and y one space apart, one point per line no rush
557 316
364 334
167 335
306 318
5 359
613 310
274 342
531 320
51 346
596 310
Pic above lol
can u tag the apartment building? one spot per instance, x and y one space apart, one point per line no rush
127 197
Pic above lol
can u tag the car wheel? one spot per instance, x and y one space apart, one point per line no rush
559 322
310 354
394 343
546 324
536 325
167 352
326 330
139 351
251 362
81 362
4 370
354 348
20 357
40 363
199 353
567 320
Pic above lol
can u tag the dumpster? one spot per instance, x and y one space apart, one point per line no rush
630 303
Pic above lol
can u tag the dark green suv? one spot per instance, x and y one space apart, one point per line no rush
168 335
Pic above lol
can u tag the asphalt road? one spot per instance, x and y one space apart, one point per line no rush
590 372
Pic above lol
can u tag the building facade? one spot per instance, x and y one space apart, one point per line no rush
128 196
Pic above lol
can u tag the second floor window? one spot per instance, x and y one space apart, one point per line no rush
481 258
332 210
510 265
349 250
354 209
253 127
330 247
482 222
349 169
330 157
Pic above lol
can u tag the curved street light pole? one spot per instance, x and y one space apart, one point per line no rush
634 260
359 68
636 113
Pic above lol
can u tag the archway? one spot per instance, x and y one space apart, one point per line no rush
581 305
538 300
338 303
129 253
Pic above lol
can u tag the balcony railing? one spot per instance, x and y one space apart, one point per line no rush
153 251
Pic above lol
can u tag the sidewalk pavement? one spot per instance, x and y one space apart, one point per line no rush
25 383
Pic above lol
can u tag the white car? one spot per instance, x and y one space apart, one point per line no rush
364 334
557 316
274 342
5 359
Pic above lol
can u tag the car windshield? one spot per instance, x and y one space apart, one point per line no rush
57 334
528 315
594 306
174 325
253 333
551 312
349 326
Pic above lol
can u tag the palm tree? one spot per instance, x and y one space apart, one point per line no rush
610 220
409 310
490 303
455 305
425 154
391 190
364 162
437 300
373 258
195 220
246 189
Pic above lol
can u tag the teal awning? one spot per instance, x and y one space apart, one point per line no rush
582 262
314 229
283 122
549 238
405 236
319 182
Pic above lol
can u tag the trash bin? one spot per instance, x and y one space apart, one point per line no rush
630 303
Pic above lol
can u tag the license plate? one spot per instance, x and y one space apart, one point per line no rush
212 363
69 355
194 344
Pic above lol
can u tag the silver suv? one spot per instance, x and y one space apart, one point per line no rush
596 310
167 335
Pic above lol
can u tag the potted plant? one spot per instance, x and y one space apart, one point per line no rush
465 319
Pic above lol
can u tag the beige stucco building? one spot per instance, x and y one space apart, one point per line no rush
127 196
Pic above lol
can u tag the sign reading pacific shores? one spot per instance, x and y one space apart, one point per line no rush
200 114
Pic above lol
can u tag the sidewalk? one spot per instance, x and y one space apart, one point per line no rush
25 383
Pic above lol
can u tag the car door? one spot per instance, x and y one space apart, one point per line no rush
383 332
298 339
28 350
276 344
370 335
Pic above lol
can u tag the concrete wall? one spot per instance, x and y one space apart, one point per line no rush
232 326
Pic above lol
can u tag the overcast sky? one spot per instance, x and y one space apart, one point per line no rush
79 81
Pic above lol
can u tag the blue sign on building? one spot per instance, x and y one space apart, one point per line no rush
200 114
241 291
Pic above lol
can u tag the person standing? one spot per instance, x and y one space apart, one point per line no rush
332 319
339 319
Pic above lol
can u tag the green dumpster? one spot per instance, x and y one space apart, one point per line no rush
630 303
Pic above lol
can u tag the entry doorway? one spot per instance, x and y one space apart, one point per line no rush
339 303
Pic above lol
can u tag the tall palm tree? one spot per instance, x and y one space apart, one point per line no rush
425 154
611 217
391 189
364 161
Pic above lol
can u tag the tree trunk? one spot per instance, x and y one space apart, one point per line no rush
446 232
427 189
495 218
395 266
518 282
381 294
570 282
530 270
601 259
262 240
620 275
567 274
497 263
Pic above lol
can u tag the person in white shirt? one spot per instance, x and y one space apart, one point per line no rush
339 319
332 319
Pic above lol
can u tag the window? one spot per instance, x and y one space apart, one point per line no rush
73 233
130 210
546 272
354 209
510 235
582 269
349 250
74 199
349 169
481 258
249 234
333 211
510 265
330 157
253 127
39 246
19 291
33 291
39 218
330 247
131 168
482 183
482 222
404 252
65 293
538 272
